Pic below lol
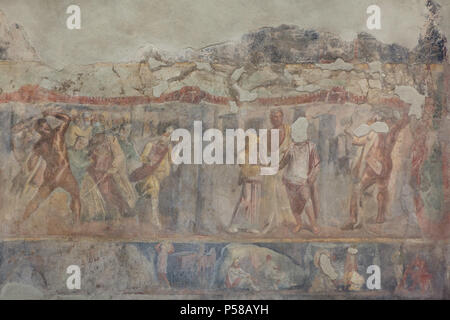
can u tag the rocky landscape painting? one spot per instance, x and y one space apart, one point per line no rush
120 152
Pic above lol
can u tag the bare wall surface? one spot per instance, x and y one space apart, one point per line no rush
113 30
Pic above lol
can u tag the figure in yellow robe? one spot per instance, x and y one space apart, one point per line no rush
150 186
275 202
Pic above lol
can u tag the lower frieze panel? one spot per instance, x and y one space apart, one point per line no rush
202 270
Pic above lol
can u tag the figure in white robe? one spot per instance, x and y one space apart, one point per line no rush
237 278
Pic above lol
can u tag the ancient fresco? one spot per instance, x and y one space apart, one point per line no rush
94 172
136 270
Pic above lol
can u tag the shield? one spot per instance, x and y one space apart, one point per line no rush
155 157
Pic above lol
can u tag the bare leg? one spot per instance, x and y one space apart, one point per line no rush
312 218
299 225
71 186
155 209
163 278
382 198
43 192
354 205
309 208
366 181
297 204
241 201
315 198
110 192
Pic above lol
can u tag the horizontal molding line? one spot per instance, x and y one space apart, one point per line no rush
192 95
224 240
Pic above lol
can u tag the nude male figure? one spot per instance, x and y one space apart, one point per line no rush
52 148
374 167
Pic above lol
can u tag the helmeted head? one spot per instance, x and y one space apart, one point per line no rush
43 128
124 131
28 134
98 128
98 138
81 143
168 131
86 116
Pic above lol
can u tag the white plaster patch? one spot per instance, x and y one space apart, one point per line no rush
153 63
205 66
236 75
160 88
308 88
375 84
411 96
364 86
22 291
47 84
380 127
331 83
362 130
233 107
365 129
339 64
245 95
259 78
375 67
299 130
288 75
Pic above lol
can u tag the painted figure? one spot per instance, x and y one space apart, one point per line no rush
78 158
105 166
272 272
28 178
79 127
237 278
302 168
275 201
353 281
127 145
155 168
326 278
245 215
163 249
374 164
416 277
397 259
206 262
52 148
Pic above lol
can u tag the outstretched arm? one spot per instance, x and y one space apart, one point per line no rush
360 141
57 114
33 158
313 174
314 164
397 127
400 124
144 156
61 130
18 127
285 160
